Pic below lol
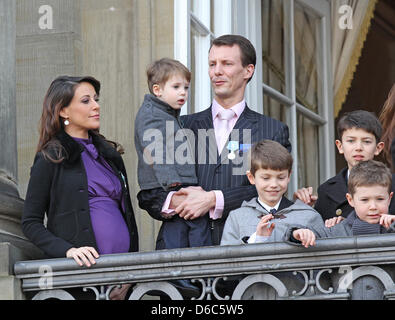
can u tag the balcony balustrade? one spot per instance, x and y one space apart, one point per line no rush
360 267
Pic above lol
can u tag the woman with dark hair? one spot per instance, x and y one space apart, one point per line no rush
78 180
387 118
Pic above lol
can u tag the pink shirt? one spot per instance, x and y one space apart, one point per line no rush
216 212
216 108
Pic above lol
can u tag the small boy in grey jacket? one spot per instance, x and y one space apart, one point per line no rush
267 217
162 168
369 193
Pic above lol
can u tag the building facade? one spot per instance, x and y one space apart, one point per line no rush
307 54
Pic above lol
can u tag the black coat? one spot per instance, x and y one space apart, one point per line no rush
332 201
61 191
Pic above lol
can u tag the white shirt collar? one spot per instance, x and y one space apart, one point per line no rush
268 208
238 108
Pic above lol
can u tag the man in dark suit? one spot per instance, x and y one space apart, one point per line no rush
222 180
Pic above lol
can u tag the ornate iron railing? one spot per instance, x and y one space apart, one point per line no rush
360 267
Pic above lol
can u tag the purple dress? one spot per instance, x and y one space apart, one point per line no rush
105 202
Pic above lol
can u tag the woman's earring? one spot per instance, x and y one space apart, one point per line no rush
66 122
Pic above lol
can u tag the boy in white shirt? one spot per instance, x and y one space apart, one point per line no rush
268 216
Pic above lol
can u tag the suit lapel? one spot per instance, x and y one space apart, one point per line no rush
211 144
207 119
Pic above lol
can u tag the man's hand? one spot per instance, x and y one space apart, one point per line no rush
262 227
306 195
333 221
178 198
386 220
306 236
197 202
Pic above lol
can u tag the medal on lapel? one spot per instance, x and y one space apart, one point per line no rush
232 147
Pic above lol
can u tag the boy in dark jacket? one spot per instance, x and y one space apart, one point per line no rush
359 135
370 194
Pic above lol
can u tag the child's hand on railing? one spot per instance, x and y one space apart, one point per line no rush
306 236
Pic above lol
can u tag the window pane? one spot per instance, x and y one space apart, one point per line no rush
211 15
193 69
201 9
273 44
194 4
308 153
307 58
274 109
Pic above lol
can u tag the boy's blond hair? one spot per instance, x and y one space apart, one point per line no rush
369 173
269 154
161 70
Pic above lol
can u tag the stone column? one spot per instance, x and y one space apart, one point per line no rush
8 168
10 203
13 246
38 41
48 44
119 39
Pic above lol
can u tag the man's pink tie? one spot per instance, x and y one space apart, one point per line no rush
223 129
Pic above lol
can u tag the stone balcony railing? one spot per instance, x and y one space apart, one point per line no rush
360 267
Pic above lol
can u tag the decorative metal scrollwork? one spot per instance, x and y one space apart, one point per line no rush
312 282
104 293
210 288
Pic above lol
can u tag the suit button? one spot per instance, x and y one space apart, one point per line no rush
339 212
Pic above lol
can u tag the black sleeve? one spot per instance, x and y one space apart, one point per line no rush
320 203
152 201
288 236
36 204
282 137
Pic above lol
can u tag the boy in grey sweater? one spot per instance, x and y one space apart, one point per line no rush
369 193
267 217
